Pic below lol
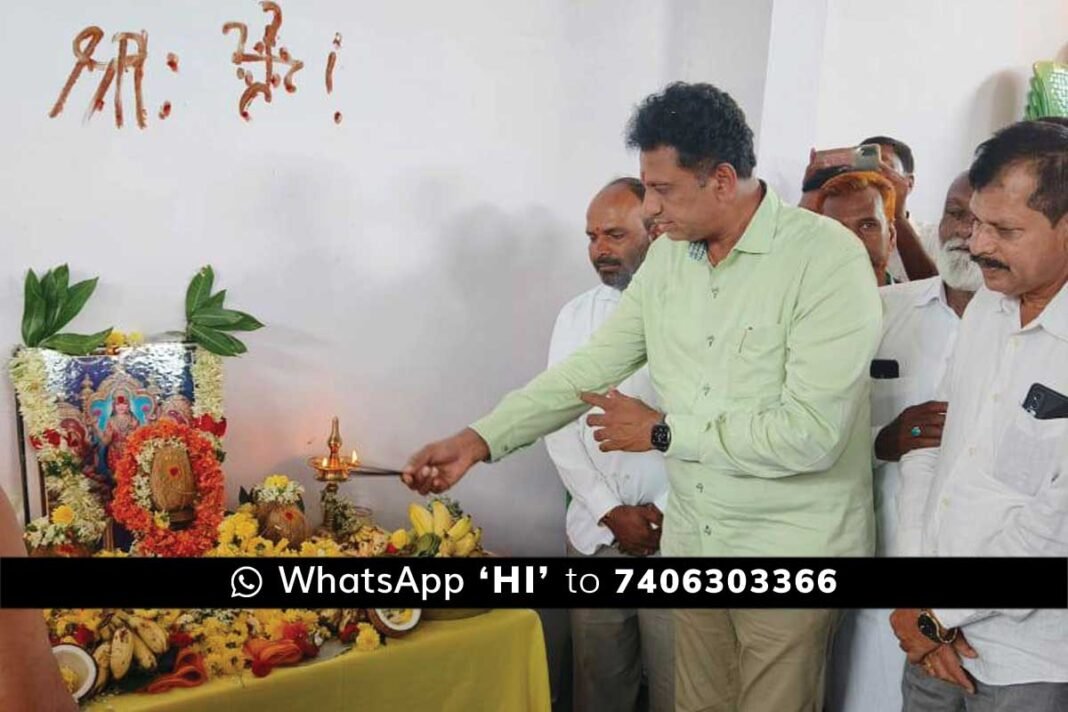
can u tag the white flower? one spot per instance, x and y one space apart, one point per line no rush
207 372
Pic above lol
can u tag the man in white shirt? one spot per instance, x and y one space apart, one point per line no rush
920 321
617 498
999 481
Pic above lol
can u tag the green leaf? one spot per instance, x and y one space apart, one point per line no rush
215 301
61 276
76 298
199 290
215 318
48 291
33 310
247 322
216 341
76 344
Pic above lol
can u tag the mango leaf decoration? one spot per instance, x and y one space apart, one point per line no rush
208 321
50 303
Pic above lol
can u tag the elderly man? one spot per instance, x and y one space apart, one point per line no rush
617 498
864 203
920 321
758 321
997 484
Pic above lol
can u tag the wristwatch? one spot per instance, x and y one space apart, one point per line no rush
661 435
932 629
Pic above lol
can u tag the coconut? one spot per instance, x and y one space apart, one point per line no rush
394 622
79 662
282 521
172 483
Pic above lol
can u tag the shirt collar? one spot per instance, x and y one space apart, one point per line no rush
933 290
1053 319
758 233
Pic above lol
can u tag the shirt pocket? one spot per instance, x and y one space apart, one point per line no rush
890 396
1030 452
756 360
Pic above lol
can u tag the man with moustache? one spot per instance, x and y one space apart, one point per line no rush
758 321
999 479
920 321
617 498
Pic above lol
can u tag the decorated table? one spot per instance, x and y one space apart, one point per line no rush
126 437
495 661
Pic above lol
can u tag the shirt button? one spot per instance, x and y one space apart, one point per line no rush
706 390
700 487
708 530
945 502
715 292
971 452
711 340
996 397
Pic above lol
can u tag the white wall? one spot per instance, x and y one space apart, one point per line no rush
939 74
409 262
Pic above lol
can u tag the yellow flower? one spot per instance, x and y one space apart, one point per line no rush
246 528
367 639
62 515
246 508
161 519
258 546
399 539
135 338
115 339
276 482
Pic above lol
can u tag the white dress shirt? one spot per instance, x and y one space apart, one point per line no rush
919 330
999 483
600 481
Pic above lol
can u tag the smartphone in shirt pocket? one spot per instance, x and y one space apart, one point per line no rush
1032 447
890 392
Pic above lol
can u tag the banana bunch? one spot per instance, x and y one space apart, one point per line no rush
445 525
127 639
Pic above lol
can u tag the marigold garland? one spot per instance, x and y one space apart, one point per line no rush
153 536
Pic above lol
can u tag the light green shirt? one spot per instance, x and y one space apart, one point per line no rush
761 364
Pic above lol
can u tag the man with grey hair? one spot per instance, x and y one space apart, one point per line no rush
920 321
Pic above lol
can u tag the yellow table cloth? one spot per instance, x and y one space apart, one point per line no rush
495 661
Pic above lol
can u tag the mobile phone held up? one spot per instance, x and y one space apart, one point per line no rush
858 158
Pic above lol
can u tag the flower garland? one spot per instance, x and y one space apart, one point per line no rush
207 372
78 520
278 489
151 526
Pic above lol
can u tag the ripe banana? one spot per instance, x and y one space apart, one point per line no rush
465 545
447 548
153 635
421 519
102 656
442 517
144 657
460 528
121 652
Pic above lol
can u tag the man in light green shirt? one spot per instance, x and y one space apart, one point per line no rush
758 321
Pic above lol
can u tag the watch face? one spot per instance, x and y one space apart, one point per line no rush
928 627
661 437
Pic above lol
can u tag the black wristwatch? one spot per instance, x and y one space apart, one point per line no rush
661 436
933 630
